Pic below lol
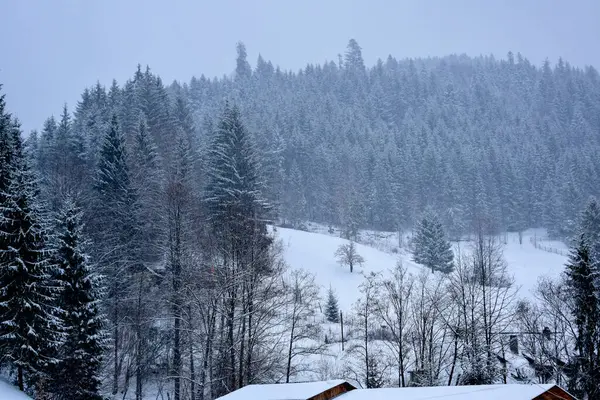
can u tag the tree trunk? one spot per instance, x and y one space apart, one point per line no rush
115 388
20 378
250 335
401 381
367 340
177 358
176 259
192 366
290 347
138 334
206 362
230 341
241 360
454 357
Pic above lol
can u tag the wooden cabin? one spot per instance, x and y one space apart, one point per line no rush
342 390
324 390
475 392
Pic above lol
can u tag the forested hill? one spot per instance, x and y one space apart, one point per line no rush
473 138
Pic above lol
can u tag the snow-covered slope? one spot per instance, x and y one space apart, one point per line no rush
314 252
528 263
9 392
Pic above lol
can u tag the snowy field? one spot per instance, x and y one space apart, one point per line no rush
314 252
9 392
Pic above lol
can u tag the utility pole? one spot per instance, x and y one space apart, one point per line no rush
342 324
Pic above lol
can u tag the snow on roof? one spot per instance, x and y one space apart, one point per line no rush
487 392
282 391
9 392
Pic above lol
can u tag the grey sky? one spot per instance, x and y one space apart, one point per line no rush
52 49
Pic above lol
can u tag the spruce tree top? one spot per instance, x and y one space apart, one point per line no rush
234 189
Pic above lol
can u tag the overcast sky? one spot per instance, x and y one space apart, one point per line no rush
51 49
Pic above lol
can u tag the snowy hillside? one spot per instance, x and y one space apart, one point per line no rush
9 392
314 252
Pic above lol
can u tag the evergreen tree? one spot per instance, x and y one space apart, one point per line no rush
147 180
431 247
6 148
582 281
242 69
237 217
234 192
77 373
332 311
590 228
114 229
375 376
29 327
353 60
295 201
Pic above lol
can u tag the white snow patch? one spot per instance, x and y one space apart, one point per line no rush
314 253
9 392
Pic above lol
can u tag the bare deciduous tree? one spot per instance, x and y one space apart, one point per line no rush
303 330
393 309
347 254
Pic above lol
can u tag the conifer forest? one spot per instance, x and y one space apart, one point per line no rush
142 230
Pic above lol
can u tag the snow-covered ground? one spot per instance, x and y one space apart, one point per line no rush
315 252
9 392
527 261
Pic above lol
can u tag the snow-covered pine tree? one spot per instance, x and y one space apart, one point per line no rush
295 201
77 373
243 71
590 228
179 196
237 217
114 229
332 310
432 249
582 279
376 376
29 327
234 190
148 183
6 148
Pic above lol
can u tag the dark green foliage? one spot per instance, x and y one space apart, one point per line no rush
234 192
242 69
115 197
583 274
114 230
466 136
77 374
375 375
590 228
332 311
29 327
432 249
582 279
6 148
